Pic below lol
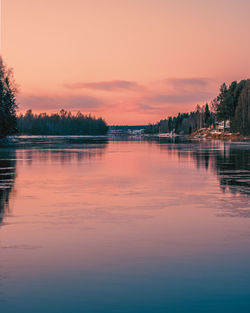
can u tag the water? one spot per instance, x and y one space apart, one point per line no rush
93 226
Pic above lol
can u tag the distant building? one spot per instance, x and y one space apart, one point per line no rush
221 126
136 132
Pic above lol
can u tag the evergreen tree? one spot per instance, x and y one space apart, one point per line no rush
224 103
8 104
207 117
241 121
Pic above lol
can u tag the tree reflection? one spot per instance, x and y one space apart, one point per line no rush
63 150
60 149
230 161
7 178
233 169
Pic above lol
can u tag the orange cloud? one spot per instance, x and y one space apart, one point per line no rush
104 85
54 102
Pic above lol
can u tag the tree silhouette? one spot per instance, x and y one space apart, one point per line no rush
8 104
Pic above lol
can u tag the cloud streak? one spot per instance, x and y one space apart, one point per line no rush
104 85
58 102
182 98
181 91
191 82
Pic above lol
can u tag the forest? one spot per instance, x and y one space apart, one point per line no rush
231 104
184 123
62 123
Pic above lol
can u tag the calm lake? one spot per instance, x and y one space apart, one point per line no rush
98 226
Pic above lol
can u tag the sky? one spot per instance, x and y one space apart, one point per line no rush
128 61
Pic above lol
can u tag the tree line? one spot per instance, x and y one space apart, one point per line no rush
184 123
231 104
62 123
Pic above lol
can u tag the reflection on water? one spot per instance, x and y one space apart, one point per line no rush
63 149
230 161
233 168
43 149
7 177
57 141
61 155
125 227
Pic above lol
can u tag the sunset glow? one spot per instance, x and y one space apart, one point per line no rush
131 62
124 156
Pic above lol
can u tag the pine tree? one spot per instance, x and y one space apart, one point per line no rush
207 118
241 120
8 104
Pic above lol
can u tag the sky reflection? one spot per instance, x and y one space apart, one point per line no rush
126 227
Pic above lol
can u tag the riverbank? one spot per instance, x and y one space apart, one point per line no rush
205 133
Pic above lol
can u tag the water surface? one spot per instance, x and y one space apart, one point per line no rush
94 226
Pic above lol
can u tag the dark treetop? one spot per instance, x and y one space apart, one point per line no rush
7 101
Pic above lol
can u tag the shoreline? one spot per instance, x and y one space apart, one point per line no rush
202 134
205 133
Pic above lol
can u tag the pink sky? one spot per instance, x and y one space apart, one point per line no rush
131 62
